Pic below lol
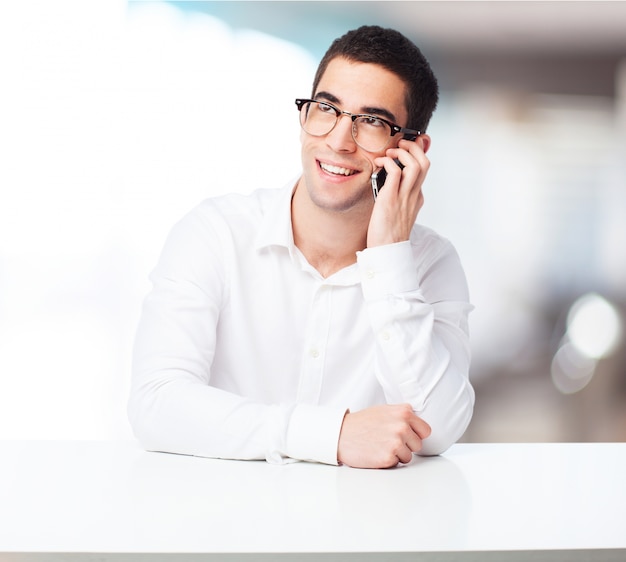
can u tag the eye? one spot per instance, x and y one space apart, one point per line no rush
373 122
326 108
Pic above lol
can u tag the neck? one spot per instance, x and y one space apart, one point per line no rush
327 238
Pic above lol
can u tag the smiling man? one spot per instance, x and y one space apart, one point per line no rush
316 322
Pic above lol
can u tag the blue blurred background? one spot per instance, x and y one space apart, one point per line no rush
118 117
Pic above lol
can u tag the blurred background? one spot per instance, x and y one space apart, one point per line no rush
117 117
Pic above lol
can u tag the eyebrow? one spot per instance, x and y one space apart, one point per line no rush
379 111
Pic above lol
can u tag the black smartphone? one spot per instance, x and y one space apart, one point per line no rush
379 176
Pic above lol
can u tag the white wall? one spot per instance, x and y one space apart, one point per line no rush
115 123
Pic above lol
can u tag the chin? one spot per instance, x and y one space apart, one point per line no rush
337 200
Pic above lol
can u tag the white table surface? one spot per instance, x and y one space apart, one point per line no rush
475 502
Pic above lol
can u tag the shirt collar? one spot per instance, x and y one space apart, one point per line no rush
276 228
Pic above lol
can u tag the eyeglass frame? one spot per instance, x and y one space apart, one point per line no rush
409 134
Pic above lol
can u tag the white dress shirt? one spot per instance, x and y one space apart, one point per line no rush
245 351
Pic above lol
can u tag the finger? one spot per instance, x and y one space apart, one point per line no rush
394 172
415 149
420 427
404 156
404 175
420 201
405 454
415 163
414 443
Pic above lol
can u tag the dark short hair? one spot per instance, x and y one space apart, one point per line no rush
393 51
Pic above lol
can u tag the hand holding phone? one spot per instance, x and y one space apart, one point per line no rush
379 176
395 214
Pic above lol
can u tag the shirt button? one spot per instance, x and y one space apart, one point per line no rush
385 336
370 274
314 353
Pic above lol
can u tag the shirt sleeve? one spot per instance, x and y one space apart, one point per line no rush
418 305
172 406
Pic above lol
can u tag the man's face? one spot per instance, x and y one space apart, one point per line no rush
336 171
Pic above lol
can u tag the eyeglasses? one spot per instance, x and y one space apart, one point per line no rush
372 134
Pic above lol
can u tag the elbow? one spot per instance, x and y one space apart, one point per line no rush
140 429
448 426
141 416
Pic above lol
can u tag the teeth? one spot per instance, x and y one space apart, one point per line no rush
336 170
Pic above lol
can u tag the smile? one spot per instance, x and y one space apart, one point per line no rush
337 170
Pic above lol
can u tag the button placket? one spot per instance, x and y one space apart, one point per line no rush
312 364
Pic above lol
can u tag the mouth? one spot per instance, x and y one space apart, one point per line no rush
337 170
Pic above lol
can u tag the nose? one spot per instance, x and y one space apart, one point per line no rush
340 139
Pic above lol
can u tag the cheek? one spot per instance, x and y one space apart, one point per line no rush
303 145
308 147
394 142
307 152
369 160
305 142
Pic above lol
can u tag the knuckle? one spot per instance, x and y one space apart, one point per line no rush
406 458
406 412
400 432
389 460
391 463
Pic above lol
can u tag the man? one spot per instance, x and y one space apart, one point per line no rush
314 322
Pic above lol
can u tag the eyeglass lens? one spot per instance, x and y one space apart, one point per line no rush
319 119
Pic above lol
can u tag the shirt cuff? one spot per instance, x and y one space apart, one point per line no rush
313 433
387 270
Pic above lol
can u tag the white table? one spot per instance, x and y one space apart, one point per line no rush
112 501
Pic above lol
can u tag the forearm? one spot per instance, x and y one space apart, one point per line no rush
181 400
170 413
173 406
417 365
422 348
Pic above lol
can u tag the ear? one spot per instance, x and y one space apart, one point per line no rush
424 141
